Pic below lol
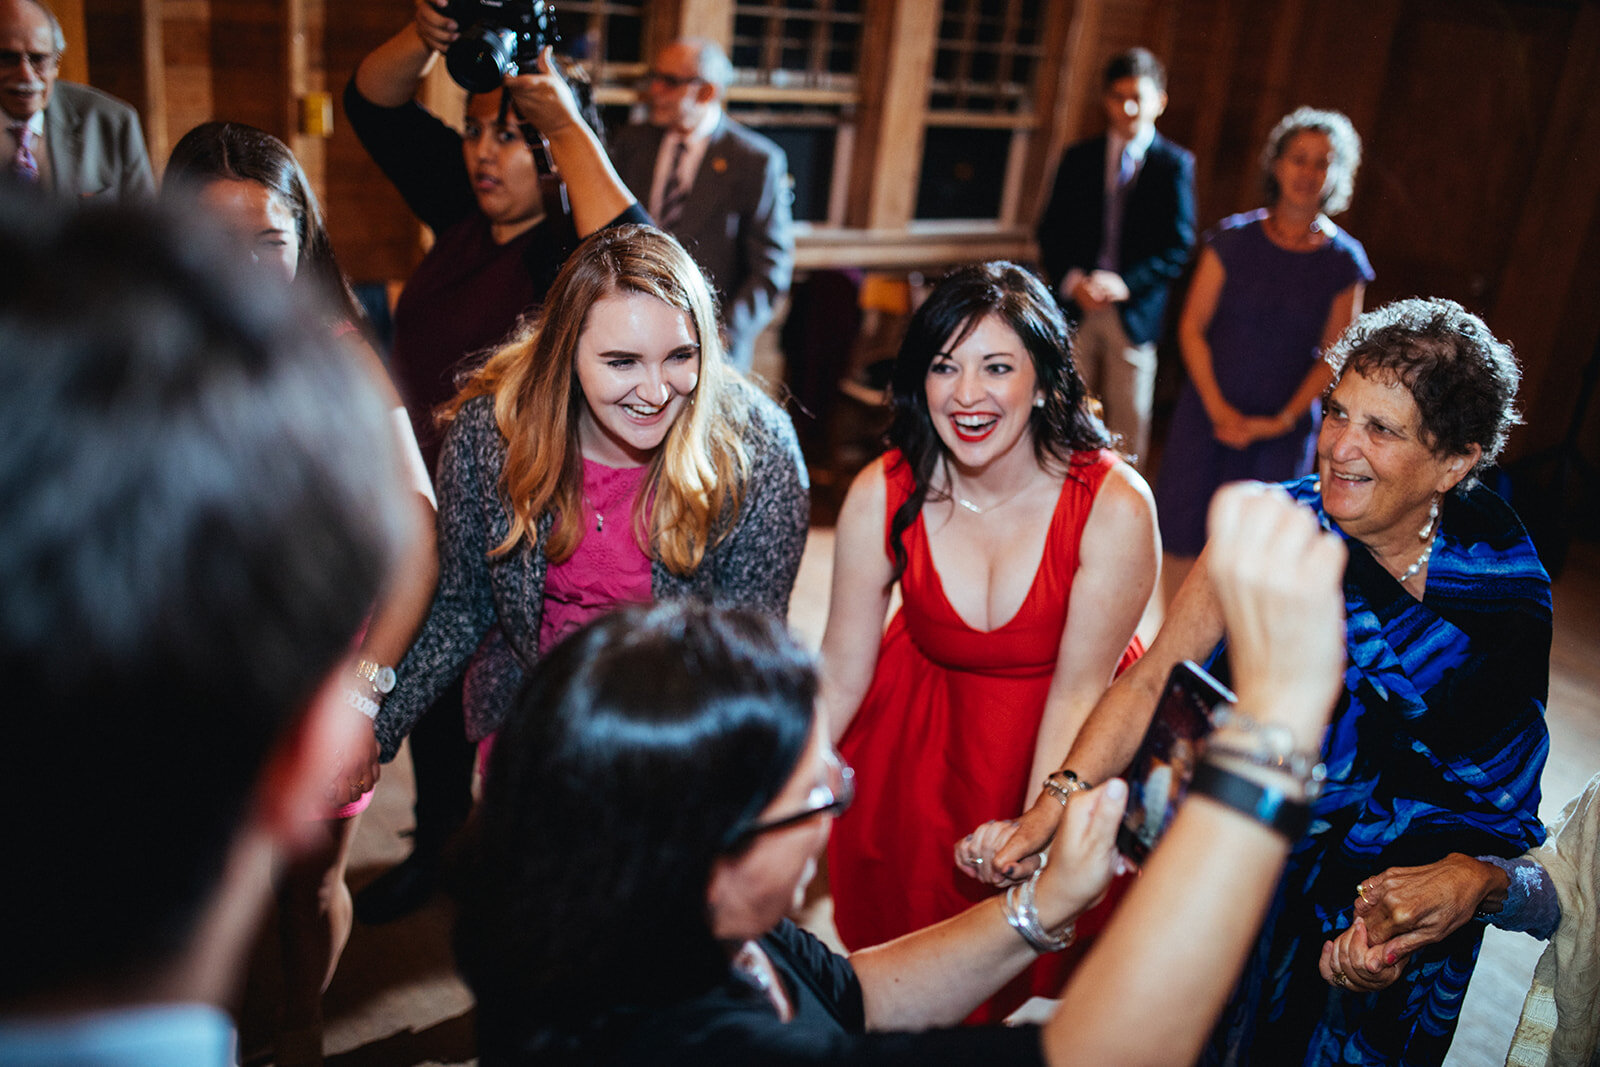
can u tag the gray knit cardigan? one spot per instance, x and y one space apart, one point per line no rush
485 614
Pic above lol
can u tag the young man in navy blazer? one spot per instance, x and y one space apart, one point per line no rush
1115 235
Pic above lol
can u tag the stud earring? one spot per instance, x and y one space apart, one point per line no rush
1038 401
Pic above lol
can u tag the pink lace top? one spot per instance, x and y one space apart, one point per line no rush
609 568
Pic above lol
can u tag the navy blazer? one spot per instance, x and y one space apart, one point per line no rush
737 220
1157 226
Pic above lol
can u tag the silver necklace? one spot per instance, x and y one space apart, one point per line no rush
976 510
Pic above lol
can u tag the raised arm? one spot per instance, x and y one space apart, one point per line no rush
858 601
1110 736
545 100
390 74
1158 976
1119 556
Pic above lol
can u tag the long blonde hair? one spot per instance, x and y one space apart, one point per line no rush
696 478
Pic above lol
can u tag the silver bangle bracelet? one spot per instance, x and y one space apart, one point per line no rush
1023 916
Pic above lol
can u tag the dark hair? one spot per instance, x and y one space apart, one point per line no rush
1135 63
232 151
200 505
1463 378
639 748
1342 137
1065 424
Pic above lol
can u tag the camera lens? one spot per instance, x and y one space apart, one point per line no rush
480 58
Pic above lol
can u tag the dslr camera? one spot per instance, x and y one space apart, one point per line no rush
498 37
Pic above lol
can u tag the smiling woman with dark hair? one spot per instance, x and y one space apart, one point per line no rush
1439 742
1025 550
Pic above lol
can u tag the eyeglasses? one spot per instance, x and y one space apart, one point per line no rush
672 81
831 799
41 62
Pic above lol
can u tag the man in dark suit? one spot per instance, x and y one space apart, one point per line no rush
70 139
720 188
1115 235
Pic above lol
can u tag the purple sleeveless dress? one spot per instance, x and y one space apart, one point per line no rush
1264 335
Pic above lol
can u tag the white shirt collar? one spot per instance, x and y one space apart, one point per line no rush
1137 147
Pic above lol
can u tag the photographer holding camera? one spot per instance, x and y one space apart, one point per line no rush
496 250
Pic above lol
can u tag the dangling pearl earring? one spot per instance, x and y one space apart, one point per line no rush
1426 533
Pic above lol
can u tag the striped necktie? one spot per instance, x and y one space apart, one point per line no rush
674 192
24 166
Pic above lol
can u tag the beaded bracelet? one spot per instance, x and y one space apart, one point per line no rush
1070 783
364 704
1277 747
1023 916
1306 770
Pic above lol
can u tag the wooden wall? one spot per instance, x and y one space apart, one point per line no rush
1481 179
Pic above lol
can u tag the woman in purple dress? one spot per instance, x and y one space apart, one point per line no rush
1272 288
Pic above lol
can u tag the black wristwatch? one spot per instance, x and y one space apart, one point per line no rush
1273 808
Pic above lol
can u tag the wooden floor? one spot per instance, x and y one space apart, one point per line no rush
396 1001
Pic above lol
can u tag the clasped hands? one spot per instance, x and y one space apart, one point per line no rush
1398 912
1275 574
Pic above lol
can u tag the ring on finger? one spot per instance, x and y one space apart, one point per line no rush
1361 891
1341 978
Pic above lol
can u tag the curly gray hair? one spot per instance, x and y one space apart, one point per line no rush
1346 144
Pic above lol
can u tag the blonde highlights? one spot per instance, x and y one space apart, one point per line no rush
695 482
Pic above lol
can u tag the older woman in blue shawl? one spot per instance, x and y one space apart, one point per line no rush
1440 740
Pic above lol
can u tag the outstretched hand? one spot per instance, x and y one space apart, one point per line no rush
1278 577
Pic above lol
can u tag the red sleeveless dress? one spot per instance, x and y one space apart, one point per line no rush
945 736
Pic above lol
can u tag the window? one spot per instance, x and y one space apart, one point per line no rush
796 66
980 108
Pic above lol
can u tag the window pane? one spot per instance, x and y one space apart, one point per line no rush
963 173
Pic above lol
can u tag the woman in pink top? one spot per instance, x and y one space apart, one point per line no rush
607 455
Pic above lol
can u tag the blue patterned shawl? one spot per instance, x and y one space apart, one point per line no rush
1437 747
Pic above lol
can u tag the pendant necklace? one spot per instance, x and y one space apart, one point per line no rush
977 510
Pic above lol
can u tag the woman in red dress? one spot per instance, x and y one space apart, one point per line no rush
998 503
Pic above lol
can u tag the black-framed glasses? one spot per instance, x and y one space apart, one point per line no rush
672 81
831 799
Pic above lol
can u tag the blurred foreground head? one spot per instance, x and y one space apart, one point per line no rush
199 508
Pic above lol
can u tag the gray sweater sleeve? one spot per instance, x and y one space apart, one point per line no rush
756 564
463 605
